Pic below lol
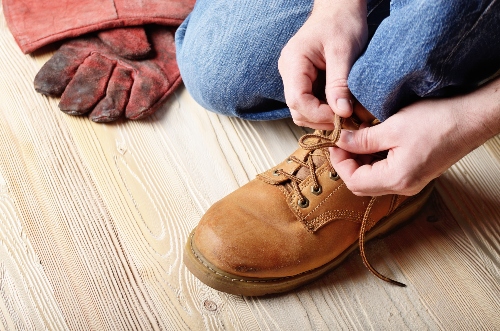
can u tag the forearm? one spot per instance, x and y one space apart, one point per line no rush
478 114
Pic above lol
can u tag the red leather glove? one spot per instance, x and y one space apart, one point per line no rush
41 22
92 77
130 43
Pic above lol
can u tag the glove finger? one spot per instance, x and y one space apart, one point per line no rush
130 42
149 87
88 86
58 71
158 77
113 105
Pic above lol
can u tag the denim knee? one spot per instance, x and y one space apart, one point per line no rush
218 81
228 54
449 47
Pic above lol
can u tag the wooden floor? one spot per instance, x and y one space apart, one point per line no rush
94 217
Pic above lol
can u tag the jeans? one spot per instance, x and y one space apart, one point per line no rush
228 53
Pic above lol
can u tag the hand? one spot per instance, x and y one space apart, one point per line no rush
422 140
104 76
330 40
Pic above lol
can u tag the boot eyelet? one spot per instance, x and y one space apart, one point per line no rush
303 203
334 176
289 160
316 190
276 172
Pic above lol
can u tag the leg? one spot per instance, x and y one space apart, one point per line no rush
425 49
228 54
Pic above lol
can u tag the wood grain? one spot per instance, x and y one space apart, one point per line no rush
93 220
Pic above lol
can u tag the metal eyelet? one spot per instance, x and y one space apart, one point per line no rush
316 190
303 203
276 172
289 160
334 176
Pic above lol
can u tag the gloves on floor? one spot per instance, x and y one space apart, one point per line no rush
113 73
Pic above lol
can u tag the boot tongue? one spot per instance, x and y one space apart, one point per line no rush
312 147
318 159
319 156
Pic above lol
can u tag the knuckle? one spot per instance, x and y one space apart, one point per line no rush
342 49
364 138
298 118
293 102
350 184
286 54
299 122
338 83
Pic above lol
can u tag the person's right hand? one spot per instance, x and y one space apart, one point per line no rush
330 40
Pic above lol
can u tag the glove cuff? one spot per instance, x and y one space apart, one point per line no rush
37 23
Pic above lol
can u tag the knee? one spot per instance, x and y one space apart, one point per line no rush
204 78
214 68
228 54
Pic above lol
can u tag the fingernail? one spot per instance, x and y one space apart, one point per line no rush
347 136
344 105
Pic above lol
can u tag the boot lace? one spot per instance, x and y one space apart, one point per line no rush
318 141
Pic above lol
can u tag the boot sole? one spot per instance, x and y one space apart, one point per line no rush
249 286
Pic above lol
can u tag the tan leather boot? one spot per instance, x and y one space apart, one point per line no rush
290 225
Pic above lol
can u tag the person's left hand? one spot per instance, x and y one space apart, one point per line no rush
324 48
422 140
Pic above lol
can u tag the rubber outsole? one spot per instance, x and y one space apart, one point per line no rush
248 286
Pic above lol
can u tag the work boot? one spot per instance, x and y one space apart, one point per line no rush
291 224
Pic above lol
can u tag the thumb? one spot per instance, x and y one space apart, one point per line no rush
337 92
130 42
365 141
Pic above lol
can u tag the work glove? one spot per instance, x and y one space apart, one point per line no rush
108 74
37 23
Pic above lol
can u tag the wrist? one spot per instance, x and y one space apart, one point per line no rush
477 115
481 109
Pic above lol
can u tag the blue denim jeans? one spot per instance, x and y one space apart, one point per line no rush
228 53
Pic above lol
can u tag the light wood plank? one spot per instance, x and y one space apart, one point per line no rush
93 220
27 299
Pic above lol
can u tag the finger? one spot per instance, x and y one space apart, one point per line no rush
301 120
343 162
58 71
156 78
337 92
149 87
367 140
117 94
88 86
361 179
298 74
130 42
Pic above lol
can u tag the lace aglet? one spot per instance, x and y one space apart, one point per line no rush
395 282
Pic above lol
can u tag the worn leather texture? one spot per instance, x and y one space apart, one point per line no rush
38 23
129 42
92 78
261 231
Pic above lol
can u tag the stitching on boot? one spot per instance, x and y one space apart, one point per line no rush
324 200
332 215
